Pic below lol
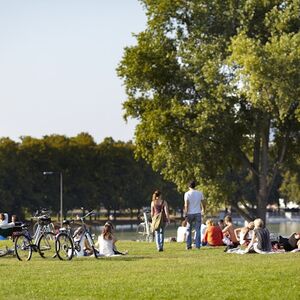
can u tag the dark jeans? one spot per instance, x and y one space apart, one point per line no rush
191 220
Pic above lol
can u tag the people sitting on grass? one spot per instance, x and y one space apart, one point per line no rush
260 242
107 241
213 235
182 232
292 243
229 237
202 229
221 224
244 234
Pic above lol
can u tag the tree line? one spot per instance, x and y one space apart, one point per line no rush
104 175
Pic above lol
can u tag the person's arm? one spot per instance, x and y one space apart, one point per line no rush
225 230
237 231
166 208
97 244
251 243
203 206
152 209
186 206
205 236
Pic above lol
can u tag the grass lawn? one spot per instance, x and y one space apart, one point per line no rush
147 274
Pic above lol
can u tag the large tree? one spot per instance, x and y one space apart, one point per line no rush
215 86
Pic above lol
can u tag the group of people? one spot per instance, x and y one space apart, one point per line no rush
4 223
253 237
194 206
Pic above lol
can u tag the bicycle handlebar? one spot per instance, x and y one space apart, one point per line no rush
90 213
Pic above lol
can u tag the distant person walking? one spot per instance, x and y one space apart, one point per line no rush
157 205
193 206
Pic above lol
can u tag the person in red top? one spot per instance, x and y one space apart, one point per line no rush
213 235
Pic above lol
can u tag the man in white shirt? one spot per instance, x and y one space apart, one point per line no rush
193 206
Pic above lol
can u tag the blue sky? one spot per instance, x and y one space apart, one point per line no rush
57 66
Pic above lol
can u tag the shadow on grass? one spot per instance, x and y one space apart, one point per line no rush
125 258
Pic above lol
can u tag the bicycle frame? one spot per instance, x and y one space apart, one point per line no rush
78 237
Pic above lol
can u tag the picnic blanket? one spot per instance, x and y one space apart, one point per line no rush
241 251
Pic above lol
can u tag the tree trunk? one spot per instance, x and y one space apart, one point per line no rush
263 174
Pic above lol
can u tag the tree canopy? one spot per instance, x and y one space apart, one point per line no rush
94 175
215 85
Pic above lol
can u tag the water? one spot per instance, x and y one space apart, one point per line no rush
129 232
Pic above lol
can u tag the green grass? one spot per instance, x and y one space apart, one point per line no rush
147 274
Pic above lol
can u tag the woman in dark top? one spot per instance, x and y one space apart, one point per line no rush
157 205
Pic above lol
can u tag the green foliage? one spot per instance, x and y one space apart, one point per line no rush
290 187
148 274
215 86
94 175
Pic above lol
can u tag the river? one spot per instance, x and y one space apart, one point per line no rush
129 232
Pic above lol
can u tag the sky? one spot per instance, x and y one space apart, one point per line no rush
58 62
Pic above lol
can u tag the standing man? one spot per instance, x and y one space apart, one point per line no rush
193 206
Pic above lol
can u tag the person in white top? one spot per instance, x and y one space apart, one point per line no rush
3 219
193 207
182 232
107 240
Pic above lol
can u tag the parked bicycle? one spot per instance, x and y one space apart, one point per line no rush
69 244
42 242
144 231
43 223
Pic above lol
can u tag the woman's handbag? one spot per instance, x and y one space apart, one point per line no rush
158 219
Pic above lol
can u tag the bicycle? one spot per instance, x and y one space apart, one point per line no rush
68 244
25 243
64 245
144 230
43 222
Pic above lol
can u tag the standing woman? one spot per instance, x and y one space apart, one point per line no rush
157 205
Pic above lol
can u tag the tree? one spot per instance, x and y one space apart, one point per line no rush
10 192
216 86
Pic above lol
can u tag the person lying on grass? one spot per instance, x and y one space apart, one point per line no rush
292 243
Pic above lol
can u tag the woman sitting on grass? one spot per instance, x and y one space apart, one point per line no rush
260 242
213 235
244 234
107 241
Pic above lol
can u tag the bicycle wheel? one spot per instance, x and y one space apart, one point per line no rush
141 232
46 245
23 247
64 246
91 244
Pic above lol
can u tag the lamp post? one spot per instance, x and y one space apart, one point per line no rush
61 192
